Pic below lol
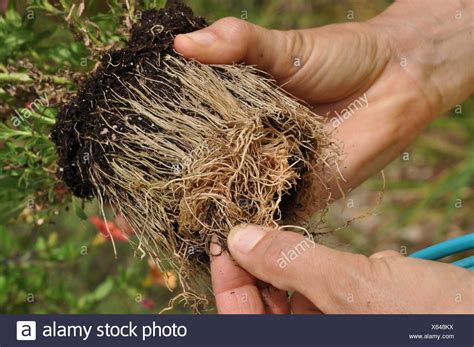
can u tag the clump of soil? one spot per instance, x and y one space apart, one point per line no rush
79 125
182 150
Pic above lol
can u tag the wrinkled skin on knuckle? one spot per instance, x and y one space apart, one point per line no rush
233 28
236 35
410 54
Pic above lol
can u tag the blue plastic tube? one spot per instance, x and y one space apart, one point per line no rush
466 263
443 249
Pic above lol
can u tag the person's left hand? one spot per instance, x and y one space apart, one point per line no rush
328 281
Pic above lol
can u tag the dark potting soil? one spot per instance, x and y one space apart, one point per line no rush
78 122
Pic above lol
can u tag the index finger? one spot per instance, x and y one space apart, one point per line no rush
235 289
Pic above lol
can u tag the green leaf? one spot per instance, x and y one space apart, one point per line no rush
103 290
77 205
6 242
98 294
40 244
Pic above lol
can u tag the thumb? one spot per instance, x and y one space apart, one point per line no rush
231 40
289 261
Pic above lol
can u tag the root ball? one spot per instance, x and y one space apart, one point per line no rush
185 151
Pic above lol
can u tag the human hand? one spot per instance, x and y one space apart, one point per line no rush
328 281
392 77
3 5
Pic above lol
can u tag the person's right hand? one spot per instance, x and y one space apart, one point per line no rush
3 5
408 73
324 280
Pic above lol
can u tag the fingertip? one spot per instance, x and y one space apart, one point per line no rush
215 248
223 42
235 289
226 274
183 45
197 44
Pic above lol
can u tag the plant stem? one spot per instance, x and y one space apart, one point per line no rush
42 118
18 77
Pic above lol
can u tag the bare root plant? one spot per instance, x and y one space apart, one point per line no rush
185 151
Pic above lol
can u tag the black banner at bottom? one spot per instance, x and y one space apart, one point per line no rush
237 330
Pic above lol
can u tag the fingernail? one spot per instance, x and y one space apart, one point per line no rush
215 248
244 237
202 38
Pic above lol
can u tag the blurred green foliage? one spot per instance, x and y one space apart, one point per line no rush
429 192
66 267
53 260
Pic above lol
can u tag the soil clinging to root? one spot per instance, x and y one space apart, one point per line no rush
78 125
185 151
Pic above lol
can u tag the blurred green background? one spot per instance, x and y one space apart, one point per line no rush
53 259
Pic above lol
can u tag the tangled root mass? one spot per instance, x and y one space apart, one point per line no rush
182 150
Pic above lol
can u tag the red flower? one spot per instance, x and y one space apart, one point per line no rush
148 304
108 228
